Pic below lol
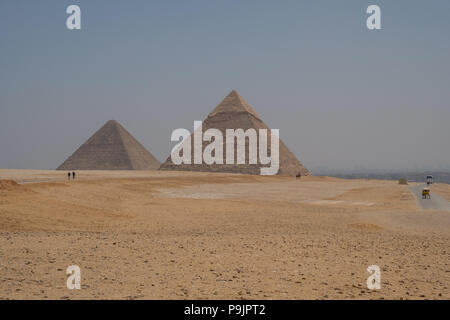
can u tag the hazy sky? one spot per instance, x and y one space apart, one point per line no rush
342 96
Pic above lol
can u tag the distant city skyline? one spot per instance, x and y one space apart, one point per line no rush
344 98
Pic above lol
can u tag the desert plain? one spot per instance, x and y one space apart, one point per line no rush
183 235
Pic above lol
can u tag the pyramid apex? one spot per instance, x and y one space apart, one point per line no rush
235 93
113 124
234 102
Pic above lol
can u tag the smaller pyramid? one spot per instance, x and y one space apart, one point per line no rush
111 148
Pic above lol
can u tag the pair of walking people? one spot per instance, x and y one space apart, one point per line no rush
73 175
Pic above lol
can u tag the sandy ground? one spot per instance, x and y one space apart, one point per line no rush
176 235
442 189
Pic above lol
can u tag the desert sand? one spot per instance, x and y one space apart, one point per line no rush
181 235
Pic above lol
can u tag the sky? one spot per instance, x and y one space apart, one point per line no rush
344 97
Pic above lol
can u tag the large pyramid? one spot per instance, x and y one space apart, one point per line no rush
235 113
111 148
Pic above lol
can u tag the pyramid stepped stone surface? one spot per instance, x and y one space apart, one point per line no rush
111 148
235 113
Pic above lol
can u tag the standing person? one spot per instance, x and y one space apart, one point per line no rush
68 175
73 175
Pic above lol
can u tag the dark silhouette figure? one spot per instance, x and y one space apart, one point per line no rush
298 176
73 175
68 175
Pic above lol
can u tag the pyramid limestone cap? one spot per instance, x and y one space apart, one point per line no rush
234 103
112 123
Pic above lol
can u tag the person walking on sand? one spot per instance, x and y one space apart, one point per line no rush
68 175
73 175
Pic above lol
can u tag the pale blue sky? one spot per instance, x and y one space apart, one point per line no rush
342 96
